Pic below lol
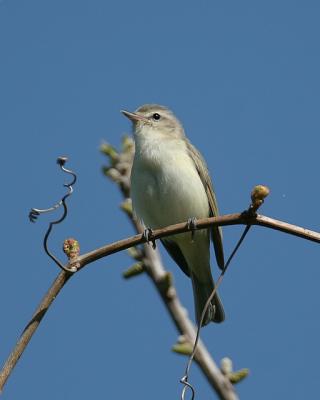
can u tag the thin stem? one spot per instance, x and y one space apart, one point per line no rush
85 259
32 326
184 379
224 220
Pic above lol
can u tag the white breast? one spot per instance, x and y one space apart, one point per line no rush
165 185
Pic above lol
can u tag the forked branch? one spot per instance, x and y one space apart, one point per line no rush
119 171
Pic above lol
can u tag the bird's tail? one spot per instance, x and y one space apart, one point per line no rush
202 291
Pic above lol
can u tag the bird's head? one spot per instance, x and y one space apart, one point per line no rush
153 119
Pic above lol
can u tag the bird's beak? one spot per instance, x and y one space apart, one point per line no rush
133 116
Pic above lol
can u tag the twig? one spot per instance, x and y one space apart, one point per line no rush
156 272
258 194
85 259
185 379
35 212
223 220
32 326
164 286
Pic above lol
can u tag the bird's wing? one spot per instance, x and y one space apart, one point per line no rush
216 231
175 252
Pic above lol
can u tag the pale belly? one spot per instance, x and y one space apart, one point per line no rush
168 193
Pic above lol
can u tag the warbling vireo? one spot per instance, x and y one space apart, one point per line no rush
170 183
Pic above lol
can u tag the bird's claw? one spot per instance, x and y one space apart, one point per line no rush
148 237
192 226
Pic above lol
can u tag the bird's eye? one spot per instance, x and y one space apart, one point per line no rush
156 116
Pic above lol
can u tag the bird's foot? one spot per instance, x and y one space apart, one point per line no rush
148 237
192 226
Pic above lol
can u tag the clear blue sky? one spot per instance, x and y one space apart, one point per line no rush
244 79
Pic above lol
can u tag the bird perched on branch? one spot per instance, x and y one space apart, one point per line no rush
170 183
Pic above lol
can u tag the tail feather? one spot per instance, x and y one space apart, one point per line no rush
202 291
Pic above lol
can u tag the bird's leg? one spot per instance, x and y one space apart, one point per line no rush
192 225
148 237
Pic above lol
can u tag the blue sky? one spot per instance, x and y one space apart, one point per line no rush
243 77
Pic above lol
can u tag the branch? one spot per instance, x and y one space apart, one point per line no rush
32 326
119 172
163 283
223 220
85 259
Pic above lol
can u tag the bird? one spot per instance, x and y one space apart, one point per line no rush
170 183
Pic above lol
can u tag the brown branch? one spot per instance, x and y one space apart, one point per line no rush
285 227
163 283
119 172
223 220
85 259
32 326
